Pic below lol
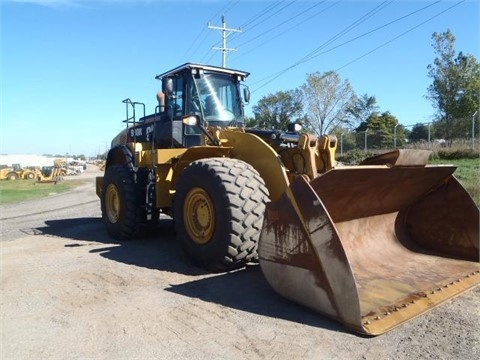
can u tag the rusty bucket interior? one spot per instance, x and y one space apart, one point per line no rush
372 246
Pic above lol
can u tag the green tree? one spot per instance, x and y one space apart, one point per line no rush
380 131
419 132
276 111
455 88
362 108
346 138
326 100
250 122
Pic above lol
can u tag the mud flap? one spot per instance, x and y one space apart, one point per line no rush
374 246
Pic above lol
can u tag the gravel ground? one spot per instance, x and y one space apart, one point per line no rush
70 292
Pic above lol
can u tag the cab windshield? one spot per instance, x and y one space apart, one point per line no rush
219 99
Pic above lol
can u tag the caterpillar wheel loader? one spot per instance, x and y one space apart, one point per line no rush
370 246
16 172
8 173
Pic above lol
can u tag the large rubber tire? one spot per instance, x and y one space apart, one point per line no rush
12 176
30 175
219 207
119 203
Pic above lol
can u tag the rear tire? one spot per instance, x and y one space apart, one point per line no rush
12 176
119 203
218 211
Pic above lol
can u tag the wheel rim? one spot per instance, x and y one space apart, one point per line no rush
112 203
199 216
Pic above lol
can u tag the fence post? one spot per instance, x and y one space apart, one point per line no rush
473 130
341 144
395 136
429 146
366 140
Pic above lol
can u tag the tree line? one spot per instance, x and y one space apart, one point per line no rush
326 104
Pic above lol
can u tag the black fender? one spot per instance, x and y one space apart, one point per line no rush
120 155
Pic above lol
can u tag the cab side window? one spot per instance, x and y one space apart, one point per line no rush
192 100
178 98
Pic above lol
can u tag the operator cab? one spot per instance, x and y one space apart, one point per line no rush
211 94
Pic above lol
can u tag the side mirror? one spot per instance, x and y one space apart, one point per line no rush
167 86
246 94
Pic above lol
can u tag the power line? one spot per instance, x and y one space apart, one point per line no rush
314 53
399 36
349 28
282 23
287 29
346 30
371 31
264 12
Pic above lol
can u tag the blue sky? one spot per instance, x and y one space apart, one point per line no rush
66 65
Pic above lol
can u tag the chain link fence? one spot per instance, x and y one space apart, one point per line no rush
463 133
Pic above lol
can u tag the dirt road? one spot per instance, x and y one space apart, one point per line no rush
70 292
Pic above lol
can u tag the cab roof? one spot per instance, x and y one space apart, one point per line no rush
198 68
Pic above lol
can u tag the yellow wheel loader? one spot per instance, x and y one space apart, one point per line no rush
371 246
16 172
8 173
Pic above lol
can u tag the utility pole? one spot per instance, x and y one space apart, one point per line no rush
225 33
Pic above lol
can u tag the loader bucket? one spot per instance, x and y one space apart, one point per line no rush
372 246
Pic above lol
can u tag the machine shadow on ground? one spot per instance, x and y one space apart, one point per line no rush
246 290
158 251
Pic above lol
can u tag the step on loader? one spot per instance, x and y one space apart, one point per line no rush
370 246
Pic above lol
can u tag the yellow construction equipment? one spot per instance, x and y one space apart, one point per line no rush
50 174
7 173
371 246
16 172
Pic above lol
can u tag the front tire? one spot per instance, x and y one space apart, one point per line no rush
218 210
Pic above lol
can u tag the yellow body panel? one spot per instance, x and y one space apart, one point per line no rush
262 157
276 170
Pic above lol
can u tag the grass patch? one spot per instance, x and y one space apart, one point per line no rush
467 173
23 190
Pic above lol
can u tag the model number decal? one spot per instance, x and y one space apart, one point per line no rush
138 132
